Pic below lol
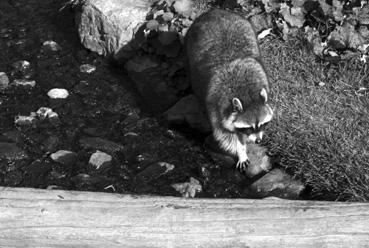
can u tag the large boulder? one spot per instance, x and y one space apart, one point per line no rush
109 26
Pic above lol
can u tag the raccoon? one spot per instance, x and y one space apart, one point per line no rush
229 80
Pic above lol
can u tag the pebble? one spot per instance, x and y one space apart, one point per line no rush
24 83
100 159
4 81
23 120
57 93
87 68
100 144
51 45
45 112
168 16
22 68
64 157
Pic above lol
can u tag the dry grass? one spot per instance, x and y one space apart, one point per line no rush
319 132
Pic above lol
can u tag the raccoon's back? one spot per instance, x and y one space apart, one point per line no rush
215 39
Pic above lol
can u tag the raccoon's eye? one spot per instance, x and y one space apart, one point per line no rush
246 131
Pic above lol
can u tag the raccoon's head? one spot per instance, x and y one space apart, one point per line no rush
249 122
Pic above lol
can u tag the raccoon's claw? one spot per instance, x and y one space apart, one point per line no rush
242 165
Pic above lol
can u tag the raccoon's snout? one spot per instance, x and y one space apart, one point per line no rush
257 141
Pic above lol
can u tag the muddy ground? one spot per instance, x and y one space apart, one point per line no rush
101 104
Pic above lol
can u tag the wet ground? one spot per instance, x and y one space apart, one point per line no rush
101 104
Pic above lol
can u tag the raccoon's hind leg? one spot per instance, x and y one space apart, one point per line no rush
243 159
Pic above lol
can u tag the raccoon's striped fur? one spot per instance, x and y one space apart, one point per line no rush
229 79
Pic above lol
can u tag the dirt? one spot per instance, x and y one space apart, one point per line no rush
101 104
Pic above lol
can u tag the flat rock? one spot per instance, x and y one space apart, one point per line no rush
151 85
11 151
24 83
188 110
154 171
101 144
259 160
4 81
23 120
64 157
107 26
276 183
99 160
57 93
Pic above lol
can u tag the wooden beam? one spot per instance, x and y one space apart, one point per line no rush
56 218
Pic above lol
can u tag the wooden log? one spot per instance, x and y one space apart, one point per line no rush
55 218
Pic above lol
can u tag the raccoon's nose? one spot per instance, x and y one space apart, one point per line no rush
258 140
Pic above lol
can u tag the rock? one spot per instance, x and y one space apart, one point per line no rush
152 25
51 46
87 68
11 151
23 120
168 16
24 83
97 143
188 189
188 110
183 7
50 144
167 38
151 85
259 160
100 160
64 157
58 93
22 69
154 171
4 81
107 26
276 183
45 112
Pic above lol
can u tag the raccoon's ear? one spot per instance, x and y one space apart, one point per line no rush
264 95
237 105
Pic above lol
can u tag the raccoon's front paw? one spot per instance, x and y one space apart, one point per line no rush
242 165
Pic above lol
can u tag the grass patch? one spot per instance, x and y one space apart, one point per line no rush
319 132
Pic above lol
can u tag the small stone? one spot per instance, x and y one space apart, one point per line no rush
4 81
58 93
152 25
87 68
321 84
64 157
51 45
276 183
43 112
23 120
154 171
97 143
188 189
188 110
11 151
22 68
168 16
24 83
100 159
183 7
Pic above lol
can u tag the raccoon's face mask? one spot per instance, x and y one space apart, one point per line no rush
250 123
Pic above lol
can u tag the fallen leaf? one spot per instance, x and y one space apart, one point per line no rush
188 189
293 16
